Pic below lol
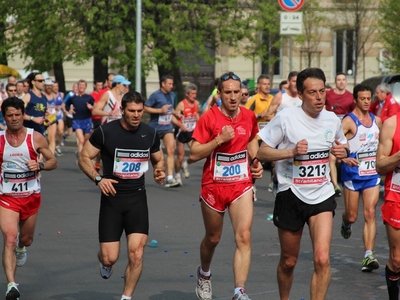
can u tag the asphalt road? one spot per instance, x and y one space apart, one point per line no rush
62 261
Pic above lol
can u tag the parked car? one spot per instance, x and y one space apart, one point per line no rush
393 80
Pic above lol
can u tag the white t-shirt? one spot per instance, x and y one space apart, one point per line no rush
288 101
306 175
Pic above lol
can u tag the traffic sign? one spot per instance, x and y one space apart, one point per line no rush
291 23
291 5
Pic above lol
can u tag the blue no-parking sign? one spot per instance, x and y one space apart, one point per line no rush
291 5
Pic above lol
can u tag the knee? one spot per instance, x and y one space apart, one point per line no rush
10 240
243 238
108 259
321 260
26 240
212 240
288 263
369 214
135 256
351 217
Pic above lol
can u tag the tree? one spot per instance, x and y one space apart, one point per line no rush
358 16
313 22
45 36
389 13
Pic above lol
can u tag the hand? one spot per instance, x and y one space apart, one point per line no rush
301 148
339 150
33 165
352 162
159 176
106 186
39 120
165 109
72 110
89 106
256 169
226 134
183 128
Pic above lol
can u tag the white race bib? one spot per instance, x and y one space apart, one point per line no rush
19 184
231 167
130 164
367 161
311 168
395 182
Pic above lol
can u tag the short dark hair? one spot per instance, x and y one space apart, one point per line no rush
263 76
108 75
131 96
360 88
316 73
283 82
216 81
292 74
340 73
12 102
165 77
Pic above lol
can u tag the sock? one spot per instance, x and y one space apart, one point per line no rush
392 282
238 290
185 164
368 252
206 274
125 297
169 177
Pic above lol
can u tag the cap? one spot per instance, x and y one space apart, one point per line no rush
120 79
48 81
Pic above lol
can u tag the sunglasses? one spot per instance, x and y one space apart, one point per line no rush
245 94
39 80
228 76
11 90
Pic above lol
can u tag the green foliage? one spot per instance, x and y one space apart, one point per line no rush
389 12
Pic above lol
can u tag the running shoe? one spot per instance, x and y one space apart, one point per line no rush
241 295
172 183
345 231
179 180
270 186
254 193
185 169
369 263
203 288
105 272
58 150
20 254
12 291
338 191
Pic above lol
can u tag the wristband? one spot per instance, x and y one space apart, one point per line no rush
347 151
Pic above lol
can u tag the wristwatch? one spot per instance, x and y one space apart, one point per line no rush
98 179
31 118
41 166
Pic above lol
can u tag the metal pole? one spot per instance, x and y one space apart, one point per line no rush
291 54
138 76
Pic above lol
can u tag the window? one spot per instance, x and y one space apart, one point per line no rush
345 51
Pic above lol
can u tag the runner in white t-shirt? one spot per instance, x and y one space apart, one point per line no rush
300 140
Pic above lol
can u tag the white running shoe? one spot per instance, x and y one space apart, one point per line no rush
185 169
241 295
20 254
203 287
172 183
105 272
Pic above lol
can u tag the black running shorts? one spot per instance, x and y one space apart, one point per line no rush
290 213
127 212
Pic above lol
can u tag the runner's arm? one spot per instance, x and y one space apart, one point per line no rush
99 106
384 161
271 111
42 147
157 160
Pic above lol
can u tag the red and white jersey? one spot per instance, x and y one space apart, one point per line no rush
228 163
392 180
16 178
112 105
189 112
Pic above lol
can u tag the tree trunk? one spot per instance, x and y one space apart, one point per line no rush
100 69
176 73
58 70
3 53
